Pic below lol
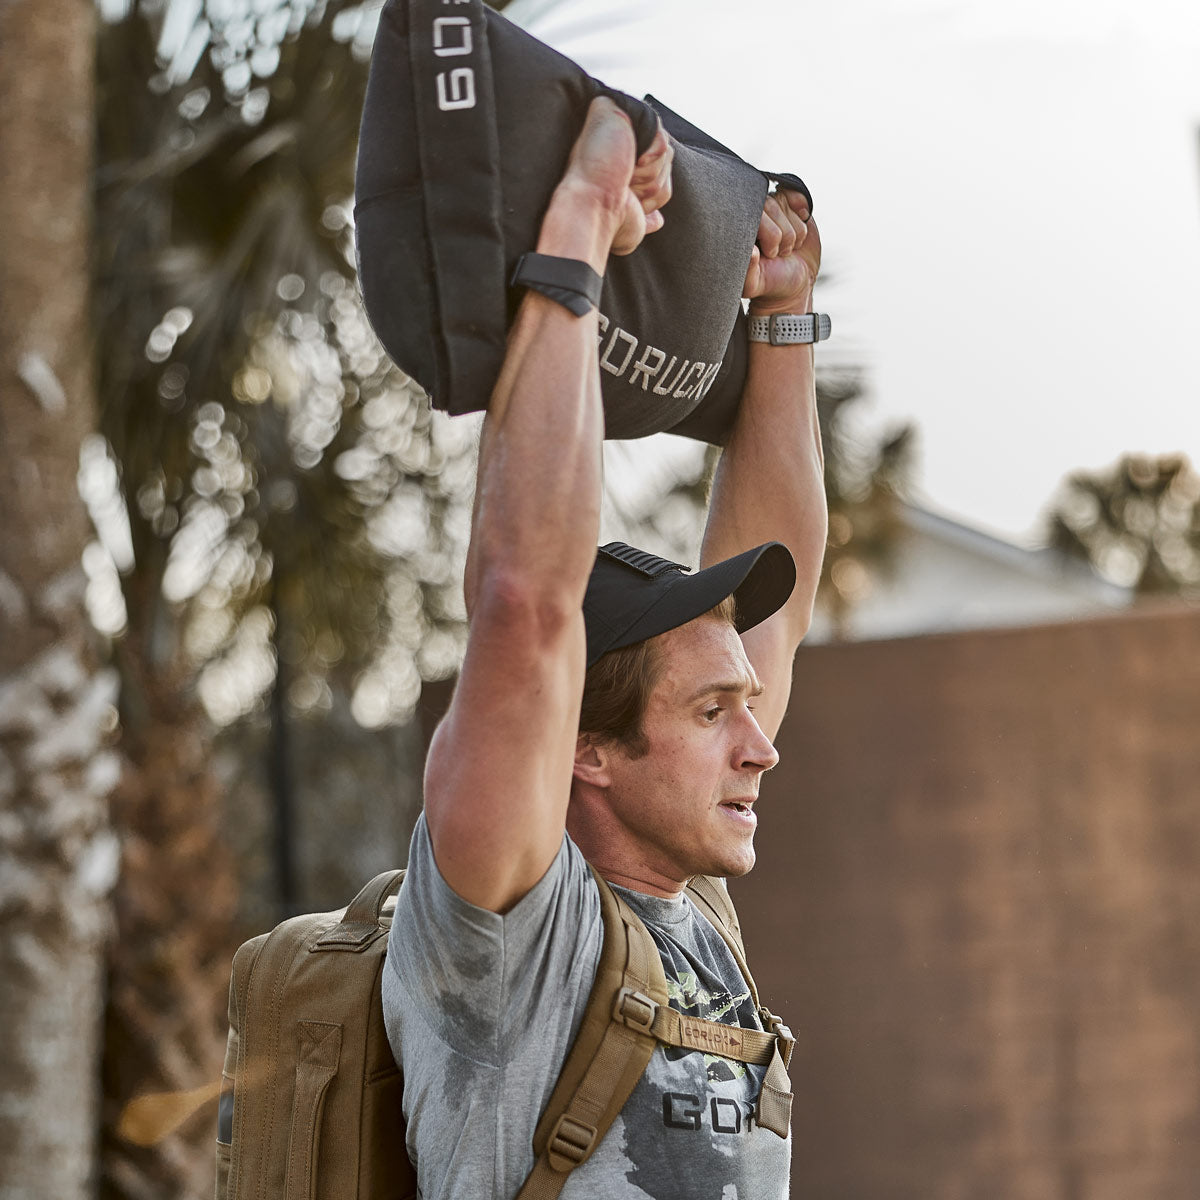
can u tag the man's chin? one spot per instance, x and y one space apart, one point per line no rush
735 867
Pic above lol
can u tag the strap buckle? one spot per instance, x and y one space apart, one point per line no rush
571 1142
783 1035
635 1009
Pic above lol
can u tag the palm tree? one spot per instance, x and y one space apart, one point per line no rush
864 482
57 853
1137 523
292 507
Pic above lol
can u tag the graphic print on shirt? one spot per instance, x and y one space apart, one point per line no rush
687 995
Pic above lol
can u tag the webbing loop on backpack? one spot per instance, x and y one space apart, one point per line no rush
319 1050
362 922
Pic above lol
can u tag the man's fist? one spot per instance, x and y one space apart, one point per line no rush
602 163
787 257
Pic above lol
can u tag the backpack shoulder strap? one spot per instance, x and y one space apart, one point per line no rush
611 1050
774 1110
711 897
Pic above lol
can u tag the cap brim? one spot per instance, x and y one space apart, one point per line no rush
760 580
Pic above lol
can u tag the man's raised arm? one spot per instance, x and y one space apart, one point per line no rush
499 772
769 484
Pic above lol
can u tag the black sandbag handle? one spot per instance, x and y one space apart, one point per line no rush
460 176
701 140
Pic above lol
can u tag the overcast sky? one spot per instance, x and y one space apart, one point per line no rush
1009 198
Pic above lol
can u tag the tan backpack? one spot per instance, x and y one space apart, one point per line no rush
311 1095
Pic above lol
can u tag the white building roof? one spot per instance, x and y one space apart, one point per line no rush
950 577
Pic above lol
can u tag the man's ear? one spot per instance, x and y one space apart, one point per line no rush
591 761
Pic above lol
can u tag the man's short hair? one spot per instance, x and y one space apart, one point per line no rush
617 689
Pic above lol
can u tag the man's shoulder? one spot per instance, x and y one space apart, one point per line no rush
551 918
568 869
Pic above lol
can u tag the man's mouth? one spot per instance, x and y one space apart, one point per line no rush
742 808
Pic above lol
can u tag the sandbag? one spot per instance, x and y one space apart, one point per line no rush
467 127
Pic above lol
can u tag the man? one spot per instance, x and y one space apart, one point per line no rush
497 931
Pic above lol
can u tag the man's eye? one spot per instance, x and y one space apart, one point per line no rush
711 714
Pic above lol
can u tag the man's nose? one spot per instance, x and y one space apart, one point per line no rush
759 751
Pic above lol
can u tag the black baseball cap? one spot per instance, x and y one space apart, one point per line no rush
633 595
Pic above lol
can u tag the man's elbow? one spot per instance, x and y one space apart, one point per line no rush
517 605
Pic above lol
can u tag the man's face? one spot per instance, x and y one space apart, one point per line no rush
687 805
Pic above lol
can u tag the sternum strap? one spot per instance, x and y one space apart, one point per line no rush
674 1028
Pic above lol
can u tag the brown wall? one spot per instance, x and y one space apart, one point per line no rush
978 904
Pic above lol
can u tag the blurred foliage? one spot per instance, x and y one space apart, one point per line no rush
287 489
864 479
1137 523
277 508
865 476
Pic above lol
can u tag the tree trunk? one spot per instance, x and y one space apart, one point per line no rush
58 856
169 968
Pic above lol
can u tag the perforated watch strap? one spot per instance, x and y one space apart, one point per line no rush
566 281
790 329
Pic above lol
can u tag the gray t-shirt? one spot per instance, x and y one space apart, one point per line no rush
481 1010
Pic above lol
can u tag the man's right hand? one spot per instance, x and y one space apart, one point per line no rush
602 171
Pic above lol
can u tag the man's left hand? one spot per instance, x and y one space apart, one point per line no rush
786 257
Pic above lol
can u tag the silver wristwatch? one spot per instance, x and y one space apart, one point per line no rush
790 329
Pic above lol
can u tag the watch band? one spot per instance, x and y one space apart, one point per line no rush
566 281
790 329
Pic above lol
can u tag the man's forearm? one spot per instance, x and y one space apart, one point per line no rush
538 497
769 484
